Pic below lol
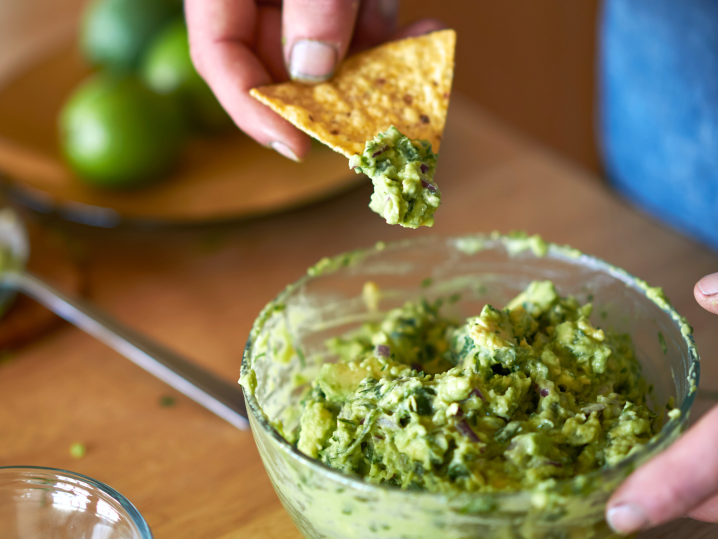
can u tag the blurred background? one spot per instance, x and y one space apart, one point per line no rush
530 63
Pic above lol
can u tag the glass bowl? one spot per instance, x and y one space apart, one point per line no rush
328 301
56 504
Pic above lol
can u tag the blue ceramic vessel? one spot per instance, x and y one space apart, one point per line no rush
658 114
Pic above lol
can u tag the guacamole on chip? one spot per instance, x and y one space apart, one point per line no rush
402 172
506 400
395 95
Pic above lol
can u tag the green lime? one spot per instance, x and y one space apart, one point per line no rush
167 68
114 33
115 132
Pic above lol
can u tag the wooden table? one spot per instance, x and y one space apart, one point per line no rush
191 474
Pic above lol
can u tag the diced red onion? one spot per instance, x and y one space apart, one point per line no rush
385 148
424 168
417 367
382 350
463 427
476 392
459 412
544 391
554 464
427 185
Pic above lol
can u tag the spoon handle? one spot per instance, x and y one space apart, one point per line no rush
214 393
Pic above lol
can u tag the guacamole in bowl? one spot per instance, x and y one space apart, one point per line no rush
485 386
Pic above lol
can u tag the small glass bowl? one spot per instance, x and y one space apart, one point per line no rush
467 273
40 502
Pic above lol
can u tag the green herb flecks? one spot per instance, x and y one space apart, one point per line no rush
662 341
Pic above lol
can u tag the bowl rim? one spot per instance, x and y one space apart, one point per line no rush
520 244
130 509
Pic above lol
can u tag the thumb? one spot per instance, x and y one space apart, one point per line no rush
316 36
706 292
670 485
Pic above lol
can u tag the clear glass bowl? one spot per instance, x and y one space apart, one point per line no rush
482 269
56 504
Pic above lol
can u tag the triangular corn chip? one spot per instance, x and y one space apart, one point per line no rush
403 83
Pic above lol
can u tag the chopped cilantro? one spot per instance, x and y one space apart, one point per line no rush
167 400
662 341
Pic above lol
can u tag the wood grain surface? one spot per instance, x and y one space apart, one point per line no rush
191 474
531 63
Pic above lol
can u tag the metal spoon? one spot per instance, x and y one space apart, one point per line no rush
215 394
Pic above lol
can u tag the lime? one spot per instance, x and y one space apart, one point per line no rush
115 132
167 68
114 33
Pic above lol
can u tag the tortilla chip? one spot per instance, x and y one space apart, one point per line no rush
404 83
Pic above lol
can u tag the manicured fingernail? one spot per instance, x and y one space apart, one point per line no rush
388 8
709 284
626 518
284 150
312 61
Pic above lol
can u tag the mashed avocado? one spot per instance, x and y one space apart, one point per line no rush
505 401
402 171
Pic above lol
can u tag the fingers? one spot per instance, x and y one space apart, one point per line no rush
236 46
222 34
317 34
706 292
376 22
268 42
420 27
707 511
672 484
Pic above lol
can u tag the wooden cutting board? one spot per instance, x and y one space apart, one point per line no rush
218 177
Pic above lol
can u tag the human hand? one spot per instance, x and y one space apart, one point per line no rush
681 481
237 45
706 292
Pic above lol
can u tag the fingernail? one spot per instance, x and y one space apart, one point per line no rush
388 8
312 61
626 518
709 284
284 150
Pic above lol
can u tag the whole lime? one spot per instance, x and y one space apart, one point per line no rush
167 68
115 132
114 33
